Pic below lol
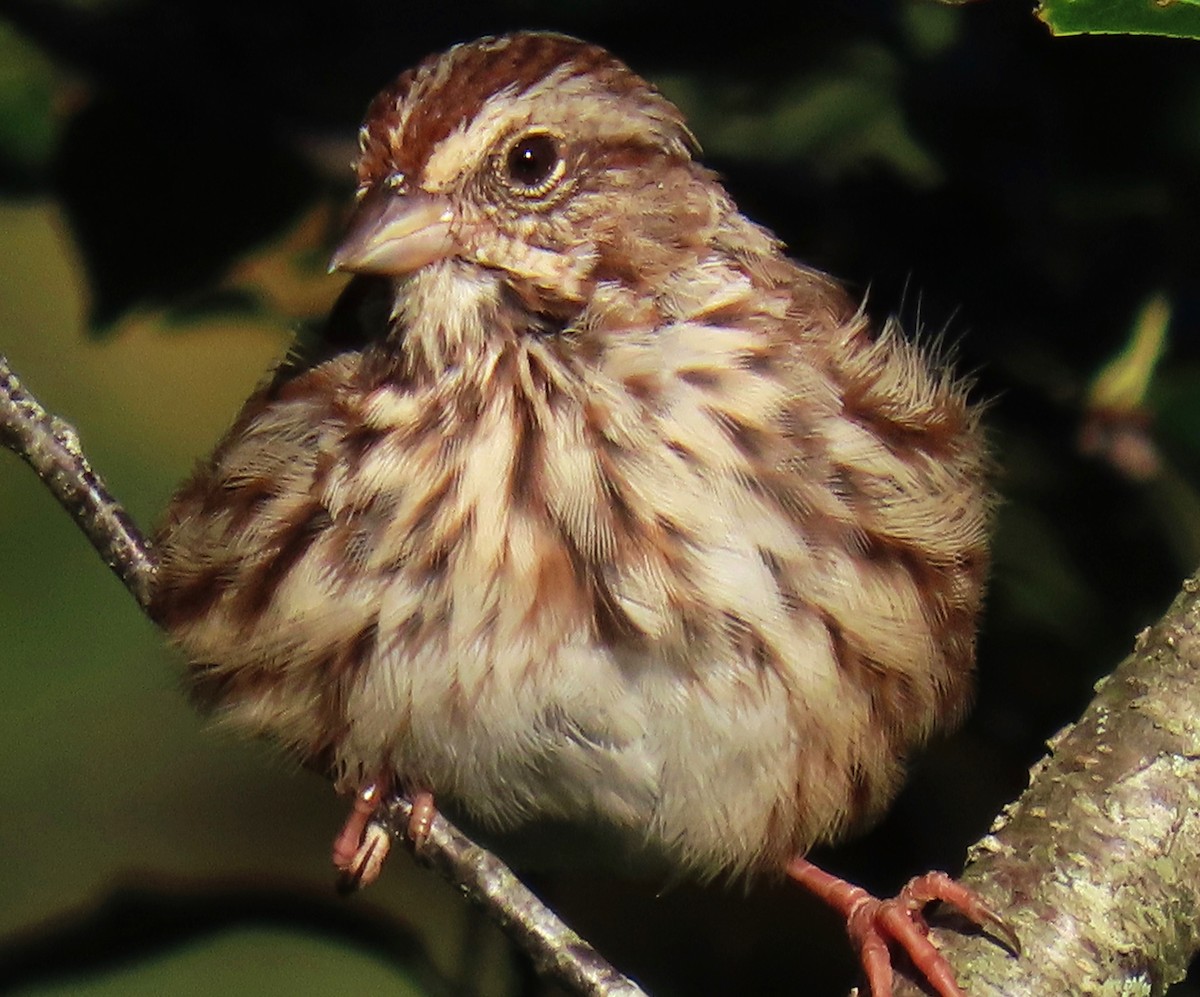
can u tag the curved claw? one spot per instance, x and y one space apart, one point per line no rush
938 886
873 924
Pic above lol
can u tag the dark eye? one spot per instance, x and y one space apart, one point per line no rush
533 163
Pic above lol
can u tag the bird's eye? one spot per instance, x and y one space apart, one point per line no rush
533 164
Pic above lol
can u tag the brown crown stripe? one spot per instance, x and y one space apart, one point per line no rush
446 90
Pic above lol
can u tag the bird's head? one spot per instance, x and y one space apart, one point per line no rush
536 157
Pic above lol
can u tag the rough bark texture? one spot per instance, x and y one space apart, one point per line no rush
1097 865
51 447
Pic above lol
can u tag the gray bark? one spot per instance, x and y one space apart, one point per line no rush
1097 865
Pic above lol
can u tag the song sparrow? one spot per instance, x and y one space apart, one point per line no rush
621 519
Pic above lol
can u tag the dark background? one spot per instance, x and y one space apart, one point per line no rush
172 176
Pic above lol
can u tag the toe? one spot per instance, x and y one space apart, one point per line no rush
938 886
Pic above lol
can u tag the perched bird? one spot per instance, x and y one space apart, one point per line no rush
621 519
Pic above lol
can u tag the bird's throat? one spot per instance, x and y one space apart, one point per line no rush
446 316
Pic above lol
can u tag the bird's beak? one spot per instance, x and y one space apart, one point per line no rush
395 233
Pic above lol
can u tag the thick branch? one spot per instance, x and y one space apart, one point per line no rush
1097 865
51 447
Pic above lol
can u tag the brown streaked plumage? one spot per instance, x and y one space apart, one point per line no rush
622 519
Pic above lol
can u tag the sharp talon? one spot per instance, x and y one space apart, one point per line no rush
938 886
873 923
999 929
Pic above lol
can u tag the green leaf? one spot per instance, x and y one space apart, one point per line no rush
1173 18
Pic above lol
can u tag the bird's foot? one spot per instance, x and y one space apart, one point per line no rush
873 924
420 819
363 842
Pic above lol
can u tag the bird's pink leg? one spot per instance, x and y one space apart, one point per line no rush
873 923
362 844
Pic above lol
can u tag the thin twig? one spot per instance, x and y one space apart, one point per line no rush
51 447
556 950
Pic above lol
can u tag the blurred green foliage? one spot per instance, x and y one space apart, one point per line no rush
1173 18
28 122
171 177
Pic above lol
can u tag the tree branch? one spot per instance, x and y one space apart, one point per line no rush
556 950
1097 865
51 447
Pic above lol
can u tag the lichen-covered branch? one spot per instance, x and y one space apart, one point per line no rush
1097 865
51 447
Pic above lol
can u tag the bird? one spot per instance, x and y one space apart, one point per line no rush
614 517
